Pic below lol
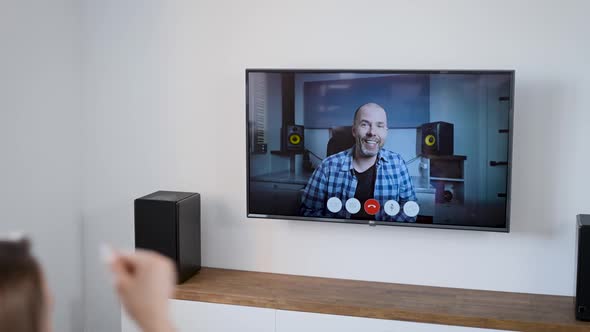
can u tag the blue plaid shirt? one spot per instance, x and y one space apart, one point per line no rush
335 178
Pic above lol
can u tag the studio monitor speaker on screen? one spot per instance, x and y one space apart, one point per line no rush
293 138
435 138
170 223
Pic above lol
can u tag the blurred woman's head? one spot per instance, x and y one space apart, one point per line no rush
24 299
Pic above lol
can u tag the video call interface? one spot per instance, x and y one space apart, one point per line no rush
380 147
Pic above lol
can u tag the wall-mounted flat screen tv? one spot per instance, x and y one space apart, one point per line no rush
422 148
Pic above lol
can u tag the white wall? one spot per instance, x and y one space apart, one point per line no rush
40 146
164 109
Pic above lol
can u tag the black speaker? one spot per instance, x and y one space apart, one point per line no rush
293 138
583 268
435 138
169 222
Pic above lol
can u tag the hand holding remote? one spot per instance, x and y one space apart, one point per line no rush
145 282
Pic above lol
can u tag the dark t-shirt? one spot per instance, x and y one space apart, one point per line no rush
365 189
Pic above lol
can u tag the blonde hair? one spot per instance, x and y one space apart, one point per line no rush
22 299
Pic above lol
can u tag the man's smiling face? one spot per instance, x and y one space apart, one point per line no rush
369 130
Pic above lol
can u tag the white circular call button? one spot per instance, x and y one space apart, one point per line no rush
353 205
411 208
334 204
391 207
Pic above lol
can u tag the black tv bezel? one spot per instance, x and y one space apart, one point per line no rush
505 229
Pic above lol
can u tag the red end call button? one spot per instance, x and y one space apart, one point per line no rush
372 206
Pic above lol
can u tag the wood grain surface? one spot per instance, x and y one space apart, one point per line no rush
437 305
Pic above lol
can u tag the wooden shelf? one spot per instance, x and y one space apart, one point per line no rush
446 179
437 157
437 305
285 153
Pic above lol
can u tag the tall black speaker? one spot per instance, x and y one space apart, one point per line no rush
169 222
583 268
292 138
435 138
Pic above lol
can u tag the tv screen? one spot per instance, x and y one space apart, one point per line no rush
407 148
